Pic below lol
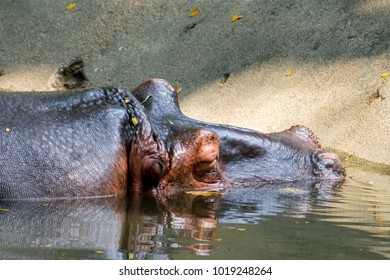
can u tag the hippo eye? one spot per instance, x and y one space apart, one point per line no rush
205 166
206 171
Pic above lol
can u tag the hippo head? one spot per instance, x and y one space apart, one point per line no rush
201 154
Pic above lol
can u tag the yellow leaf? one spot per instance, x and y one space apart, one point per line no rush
289 73
384 75
99 252
178 90
236 17
4 209
241 229
127 101
70 6
330 187
134 120
8 129
202 193
194 12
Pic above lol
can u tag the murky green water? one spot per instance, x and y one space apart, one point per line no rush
295 221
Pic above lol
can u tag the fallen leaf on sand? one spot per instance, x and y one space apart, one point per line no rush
289 73
236 17
70 6
194 12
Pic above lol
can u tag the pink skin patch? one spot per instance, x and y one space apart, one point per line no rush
329 156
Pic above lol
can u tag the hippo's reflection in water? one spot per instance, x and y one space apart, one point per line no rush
142 227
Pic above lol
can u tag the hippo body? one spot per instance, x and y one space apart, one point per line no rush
104 142
69 144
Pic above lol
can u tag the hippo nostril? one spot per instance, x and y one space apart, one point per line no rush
328 163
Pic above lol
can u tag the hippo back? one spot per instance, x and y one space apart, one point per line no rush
59 145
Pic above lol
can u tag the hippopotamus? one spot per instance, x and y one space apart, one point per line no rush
113 142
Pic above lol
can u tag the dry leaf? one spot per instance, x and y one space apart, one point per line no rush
375 96
225 78
4 209
194 12
202 193
178 90
134 121
70 6
289 73
236 17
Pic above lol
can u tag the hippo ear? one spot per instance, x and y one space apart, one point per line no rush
152 171
300 135
207 154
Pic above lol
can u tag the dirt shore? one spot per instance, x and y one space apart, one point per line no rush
323 64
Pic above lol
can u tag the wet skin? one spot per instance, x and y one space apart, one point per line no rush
94 142
104 142
231 154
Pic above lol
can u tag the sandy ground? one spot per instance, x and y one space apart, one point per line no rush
319 63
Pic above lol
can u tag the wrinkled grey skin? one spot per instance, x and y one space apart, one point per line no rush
68 144
104 142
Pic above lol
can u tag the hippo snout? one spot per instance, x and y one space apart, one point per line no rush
327 165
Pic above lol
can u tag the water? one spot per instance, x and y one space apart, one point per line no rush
296 221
